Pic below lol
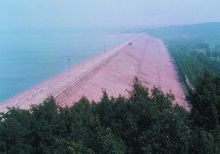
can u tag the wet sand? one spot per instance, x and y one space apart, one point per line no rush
113 70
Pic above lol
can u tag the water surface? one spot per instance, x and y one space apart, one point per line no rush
28 58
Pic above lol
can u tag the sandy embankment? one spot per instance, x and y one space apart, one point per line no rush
114 70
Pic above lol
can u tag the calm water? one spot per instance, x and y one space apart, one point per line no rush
29 58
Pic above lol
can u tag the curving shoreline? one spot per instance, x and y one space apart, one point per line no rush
114 70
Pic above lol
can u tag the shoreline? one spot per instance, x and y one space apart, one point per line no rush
25 98
108 70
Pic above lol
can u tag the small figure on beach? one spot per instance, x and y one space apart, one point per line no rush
130 44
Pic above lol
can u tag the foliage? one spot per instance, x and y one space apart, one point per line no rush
145 122
202 31
205 114
191 56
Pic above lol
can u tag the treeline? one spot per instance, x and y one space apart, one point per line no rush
192 46
146 122
191 56
202 31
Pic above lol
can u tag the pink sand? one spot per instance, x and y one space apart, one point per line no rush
114 70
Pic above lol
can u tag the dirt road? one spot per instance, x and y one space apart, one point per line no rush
114 70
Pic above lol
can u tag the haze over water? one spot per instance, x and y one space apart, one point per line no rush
27 58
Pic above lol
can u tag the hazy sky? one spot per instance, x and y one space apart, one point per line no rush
97 13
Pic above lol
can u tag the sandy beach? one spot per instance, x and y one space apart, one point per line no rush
113 70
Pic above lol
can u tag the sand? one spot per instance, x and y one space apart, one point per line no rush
113 70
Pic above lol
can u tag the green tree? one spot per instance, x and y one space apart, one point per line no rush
205 114
205 101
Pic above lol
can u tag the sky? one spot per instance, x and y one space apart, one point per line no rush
28 14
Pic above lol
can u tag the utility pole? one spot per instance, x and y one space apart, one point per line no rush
69 59
104 47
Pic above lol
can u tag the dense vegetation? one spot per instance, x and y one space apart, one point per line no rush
202 31
146 122
193 48
191 56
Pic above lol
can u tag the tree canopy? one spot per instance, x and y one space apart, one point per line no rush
145 122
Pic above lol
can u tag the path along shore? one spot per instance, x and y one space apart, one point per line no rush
114 70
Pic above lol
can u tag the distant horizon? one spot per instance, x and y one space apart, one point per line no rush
104 27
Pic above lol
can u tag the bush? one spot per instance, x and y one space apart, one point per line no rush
145 122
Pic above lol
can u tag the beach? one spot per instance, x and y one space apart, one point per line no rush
114 70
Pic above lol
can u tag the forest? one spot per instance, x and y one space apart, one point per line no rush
145 122
193 48
191 56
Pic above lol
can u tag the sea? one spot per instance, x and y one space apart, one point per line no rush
30 57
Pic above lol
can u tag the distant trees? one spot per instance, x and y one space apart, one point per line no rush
203 46
146 122
217 48
191 56
188 66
